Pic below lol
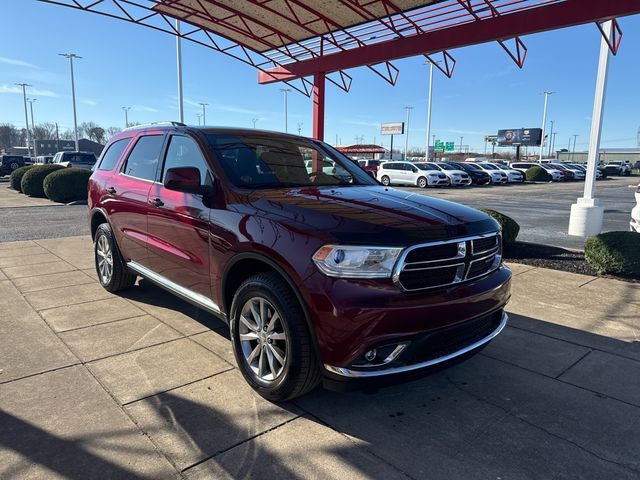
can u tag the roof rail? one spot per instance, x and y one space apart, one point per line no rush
155 124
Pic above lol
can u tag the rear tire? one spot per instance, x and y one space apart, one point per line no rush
386 181
271 340
422 182
110 267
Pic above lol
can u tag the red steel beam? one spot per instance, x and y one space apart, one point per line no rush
318 107
555 16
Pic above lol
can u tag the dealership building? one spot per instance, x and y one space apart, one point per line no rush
631 155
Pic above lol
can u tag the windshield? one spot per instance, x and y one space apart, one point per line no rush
373 163
486 166
278 162
470 166
426 166
444 166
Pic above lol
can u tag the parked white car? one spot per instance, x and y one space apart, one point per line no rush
556 175
497 176
513 175
407 173
621 168
583 169
634 224
456 177
330 168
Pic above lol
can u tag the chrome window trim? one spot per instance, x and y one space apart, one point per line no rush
173 287
400 263
346 372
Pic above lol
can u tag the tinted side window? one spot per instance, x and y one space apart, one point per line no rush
143 159
185 152
113 154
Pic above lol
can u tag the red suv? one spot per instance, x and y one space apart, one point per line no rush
321 277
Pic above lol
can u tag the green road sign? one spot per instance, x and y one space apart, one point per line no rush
438 146
449 146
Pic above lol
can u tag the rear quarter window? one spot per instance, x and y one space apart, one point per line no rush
113 154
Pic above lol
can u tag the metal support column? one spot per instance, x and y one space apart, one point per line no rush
586 213
318 106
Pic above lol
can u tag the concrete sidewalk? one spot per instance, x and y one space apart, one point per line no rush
144 385
10 198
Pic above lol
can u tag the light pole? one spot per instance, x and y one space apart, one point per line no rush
204 112
300 129
179 68
544 123
255 120
126 116
429 98
285 91
33 126
26 115
553 143
461 138
199 115
550 137
406 133
573 152
71 56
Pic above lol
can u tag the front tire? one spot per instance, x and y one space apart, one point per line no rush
422 182
271 341
386 181
112 272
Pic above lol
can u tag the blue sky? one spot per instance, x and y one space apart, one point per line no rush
130 65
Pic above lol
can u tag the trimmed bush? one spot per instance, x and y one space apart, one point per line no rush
32 182
510 227
67 185
537 174
16 177
614 252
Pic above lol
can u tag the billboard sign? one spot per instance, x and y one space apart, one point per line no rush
520 136
394 128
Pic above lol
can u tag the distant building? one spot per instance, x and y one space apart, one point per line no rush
51 147
359 152
631 155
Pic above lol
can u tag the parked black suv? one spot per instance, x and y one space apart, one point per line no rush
8 163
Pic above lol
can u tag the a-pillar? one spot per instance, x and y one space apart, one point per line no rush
318 106
587 213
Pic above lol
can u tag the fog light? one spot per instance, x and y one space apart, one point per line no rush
370 355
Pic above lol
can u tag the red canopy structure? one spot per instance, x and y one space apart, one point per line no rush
293 41
361 149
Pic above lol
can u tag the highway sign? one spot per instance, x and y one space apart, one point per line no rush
449 146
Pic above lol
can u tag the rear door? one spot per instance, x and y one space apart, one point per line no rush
178 222
128 193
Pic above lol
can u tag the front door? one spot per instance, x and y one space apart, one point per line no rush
178 222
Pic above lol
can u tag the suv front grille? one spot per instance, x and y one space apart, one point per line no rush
446 263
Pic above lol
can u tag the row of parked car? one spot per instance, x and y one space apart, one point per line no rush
471 171
9 163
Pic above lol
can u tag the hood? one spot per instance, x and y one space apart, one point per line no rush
369 215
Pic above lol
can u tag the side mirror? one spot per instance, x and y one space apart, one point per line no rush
415 170
184 179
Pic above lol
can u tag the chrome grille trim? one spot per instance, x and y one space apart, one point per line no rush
463 269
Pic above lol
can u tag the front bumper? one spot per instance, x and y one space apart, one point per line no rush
435 182
351 317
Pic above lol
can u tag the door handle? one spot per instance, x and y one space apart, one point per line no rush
111 190
157 202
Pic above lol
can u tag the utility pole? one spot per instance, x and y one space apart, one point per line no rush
429 98
573 152
57 138
254 120
71 56
286 126
204 112
126 116
33 126
179 72
553 144
406 133
549 141
26 115
299 128
544 123
461 138
199 115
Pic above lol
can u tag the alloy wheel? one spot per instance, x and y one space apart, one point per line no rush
104 256
263 339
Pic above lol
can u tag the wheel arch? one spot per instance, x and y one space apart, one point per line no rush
97 217
247 264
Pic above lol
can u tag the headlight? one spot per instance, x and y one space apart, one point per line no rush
346 261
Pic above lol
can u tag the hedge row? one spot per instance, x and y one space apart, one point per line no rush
510 227
54 182
614 252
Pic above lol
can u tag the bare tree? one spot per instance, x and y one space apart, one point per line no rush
10 136
45 131
67 135
110 132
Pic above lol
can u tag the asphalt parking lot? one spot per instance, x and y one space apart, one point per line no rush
143 385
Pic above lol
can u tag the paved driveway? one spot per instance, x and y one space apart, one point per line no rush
143 385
